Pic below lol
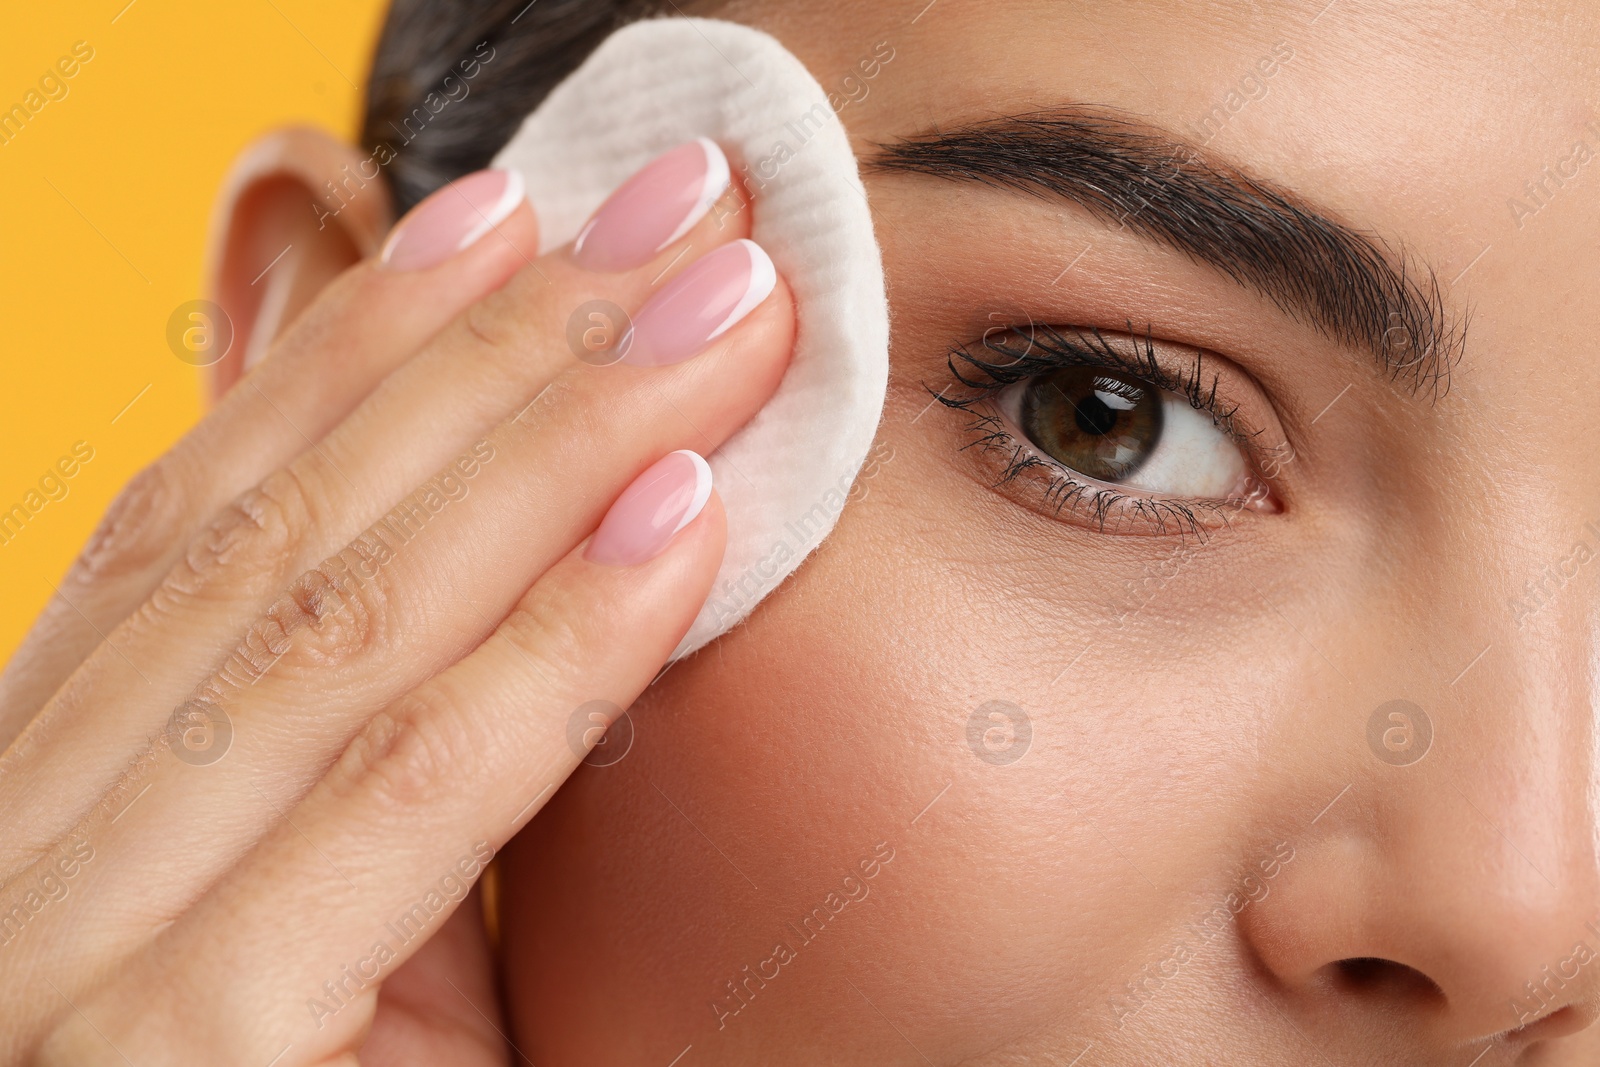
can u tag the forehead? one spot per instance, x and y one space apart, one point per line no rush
1463 132
1429 98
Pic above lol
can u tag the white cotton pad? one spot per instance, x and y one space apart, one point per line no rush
652 86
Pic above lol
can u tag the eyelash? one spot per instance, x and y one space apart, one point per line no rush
1049 349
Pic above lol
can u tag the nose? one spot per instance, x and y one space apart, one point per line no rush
1459 893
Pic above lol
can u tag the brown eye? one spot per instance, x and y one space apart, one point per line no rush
1100 423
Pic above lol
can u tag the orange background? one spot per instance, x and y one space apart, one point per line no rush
108 194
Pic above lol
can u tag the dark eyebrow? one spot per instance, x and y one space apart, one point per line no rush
1352 286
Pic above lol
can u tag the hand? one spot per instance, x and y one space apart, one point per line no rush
351 616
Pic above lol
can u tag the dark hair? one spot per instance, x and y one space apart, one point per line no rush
453 79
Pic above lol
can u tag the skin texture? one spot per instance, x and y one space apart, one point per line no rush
1195 840
1198 711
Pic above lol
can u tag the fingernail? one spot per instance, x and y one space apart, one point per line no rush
659 503
653 208
452 218
699 305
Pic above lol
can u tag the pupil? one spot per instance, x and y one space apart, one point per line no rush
1099 422
1095 416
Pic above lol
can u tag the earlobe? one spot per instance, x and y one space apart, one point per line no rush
298 208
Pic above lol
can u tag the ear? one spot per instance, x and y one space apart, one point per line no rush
297 208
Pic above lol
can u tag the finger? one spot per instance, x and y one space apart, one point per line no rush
368 322
483 367
375 859
406 600
492 360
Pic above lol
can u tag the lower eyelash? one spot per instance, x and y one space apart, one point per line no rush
1103 504
1099 504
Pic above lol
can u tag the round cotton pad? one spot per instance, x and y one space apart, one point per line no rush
652 86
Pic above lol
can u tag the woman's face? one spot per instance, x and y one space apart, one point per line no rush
1011 773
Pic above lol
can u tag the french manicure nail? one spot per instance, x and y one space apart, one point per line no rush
653 208
699 305
453 218
645 518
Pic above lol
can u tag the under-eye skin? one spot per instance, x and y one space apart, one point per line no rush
1116 431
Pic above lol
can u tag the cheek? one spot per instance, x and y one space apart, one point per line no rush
905 688
1047 726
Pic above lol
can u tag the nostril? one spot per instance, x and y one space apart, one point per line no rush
1374 977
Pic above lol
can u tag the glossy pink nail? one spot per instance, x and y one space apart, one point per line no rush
453 218
653 208
659 503
704 302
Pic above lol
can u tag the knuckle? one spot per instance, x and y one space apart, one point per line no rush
330 616
504 327
552 631
253 541
496 322
418 755
341 613
139 528
365 751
